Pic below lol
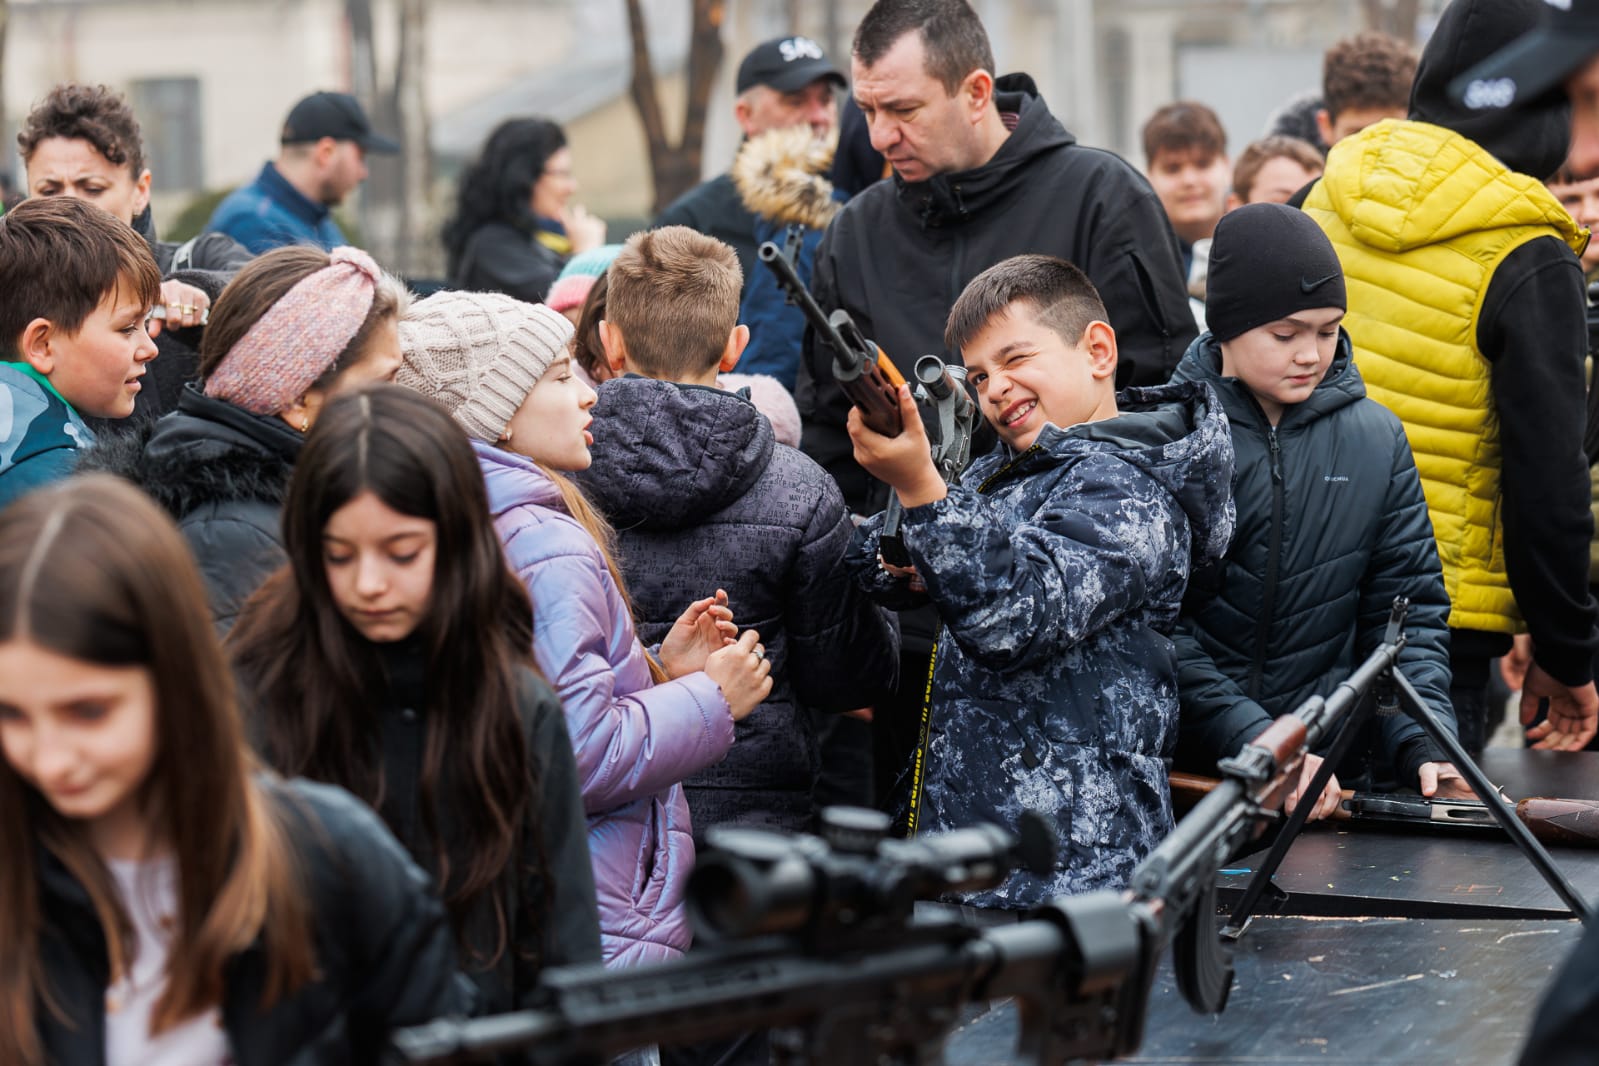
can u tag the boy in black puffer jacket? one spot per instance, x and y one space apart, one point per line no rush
703 497
1332 524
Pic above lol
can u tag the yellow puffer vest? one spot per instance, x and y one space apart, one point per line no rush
1421 218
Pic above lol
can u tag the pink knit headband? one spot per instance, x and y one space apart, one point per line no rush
299 337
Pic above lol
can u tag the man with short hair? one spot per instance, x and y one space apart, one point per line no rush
982 172
783 82
1364 79
322 159
1185 154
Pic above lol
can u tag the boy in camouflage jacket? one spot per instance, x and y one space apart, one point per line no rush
1057 567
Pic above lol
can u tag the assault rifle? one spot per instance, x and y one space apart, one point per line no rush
871 381
815 937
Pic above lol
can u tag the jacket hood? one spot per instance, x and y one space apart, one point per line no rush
781 175
1341 386
1404 185
1178 435
1530 138
668 455
206 451
513 480
946 199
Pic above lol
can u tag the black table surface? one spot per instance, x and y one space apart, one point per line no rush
1337 870
1344 990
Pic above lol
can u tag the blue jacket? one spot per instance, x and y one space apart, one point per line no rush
269 213
40 435
703 498
1058 575
1332 525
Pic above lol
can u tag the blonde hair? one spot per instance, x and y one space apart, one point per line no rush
674 294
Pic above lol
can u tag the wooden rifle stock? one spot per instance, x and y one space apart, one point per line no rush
864 373
1551 820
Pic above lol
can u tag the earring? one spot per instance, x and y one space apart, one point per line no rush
305 422
505 438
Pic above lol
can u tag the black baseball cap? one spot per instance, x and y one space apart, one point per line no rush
1535 62
786 64
336 115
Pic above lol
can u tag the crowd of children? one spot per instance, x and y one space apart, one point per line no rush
416 645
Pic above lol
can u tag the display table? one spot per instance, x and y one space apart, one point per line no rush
1348 991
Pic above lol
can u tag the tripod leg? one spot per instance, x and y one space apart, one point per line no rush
1262 882
1416 709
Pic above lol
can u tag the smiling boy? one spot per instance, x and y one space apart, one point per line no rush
1057 567
1332 524
78 286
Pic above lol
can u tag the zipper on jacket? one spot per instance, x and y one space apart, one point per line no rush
1274 553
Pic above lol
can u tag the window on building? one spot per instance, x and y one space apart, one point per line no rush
169 116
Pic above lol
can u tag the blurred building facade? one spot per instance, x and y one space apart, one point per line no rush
212 79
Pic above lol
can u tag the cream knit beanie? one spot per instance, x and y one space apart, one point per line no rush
479 354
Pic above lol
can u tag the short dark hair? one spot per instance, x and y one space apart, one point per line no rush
1059 294
91 113
1186 125
674 294
1263 151
1368 70
951 32
59 258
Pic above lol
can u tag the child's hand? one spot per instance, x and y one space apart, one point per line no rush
706 626
743 673
1323 805
904 462
1441 780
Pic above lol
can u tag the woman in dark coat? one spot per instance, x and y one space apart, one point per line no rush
515 225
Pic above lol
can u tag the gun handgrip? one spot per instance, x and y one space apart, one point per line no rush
876 393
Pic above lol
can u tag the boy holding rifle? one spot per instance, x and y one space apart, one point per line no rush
1332 524
1056 566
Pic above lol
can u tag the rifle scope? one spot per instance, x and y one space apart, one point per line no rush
938 377
756 882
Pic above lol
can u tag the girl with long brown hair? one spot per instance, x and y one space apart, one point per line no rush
393 657
159 898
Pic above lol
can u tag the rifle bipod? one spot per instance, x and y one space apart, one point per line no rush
1397 695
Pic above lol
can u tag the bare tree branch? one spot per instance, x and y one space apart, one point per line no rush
675 168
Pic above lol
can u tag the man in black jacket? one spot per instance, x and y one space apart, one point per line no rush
982 172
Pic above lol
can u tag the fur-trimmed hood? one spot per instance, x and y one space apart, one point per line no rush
781 176
205 452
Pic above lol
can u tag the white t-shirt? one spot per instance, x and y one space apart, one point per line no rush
150 896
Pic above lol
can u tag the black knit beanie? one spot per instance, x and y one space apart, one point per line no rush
1266 262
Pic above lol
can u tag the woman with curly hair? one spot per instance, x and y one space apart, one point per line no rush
515 224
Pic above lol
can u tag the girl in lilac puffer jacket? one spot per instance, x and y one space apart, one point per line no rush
639 724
